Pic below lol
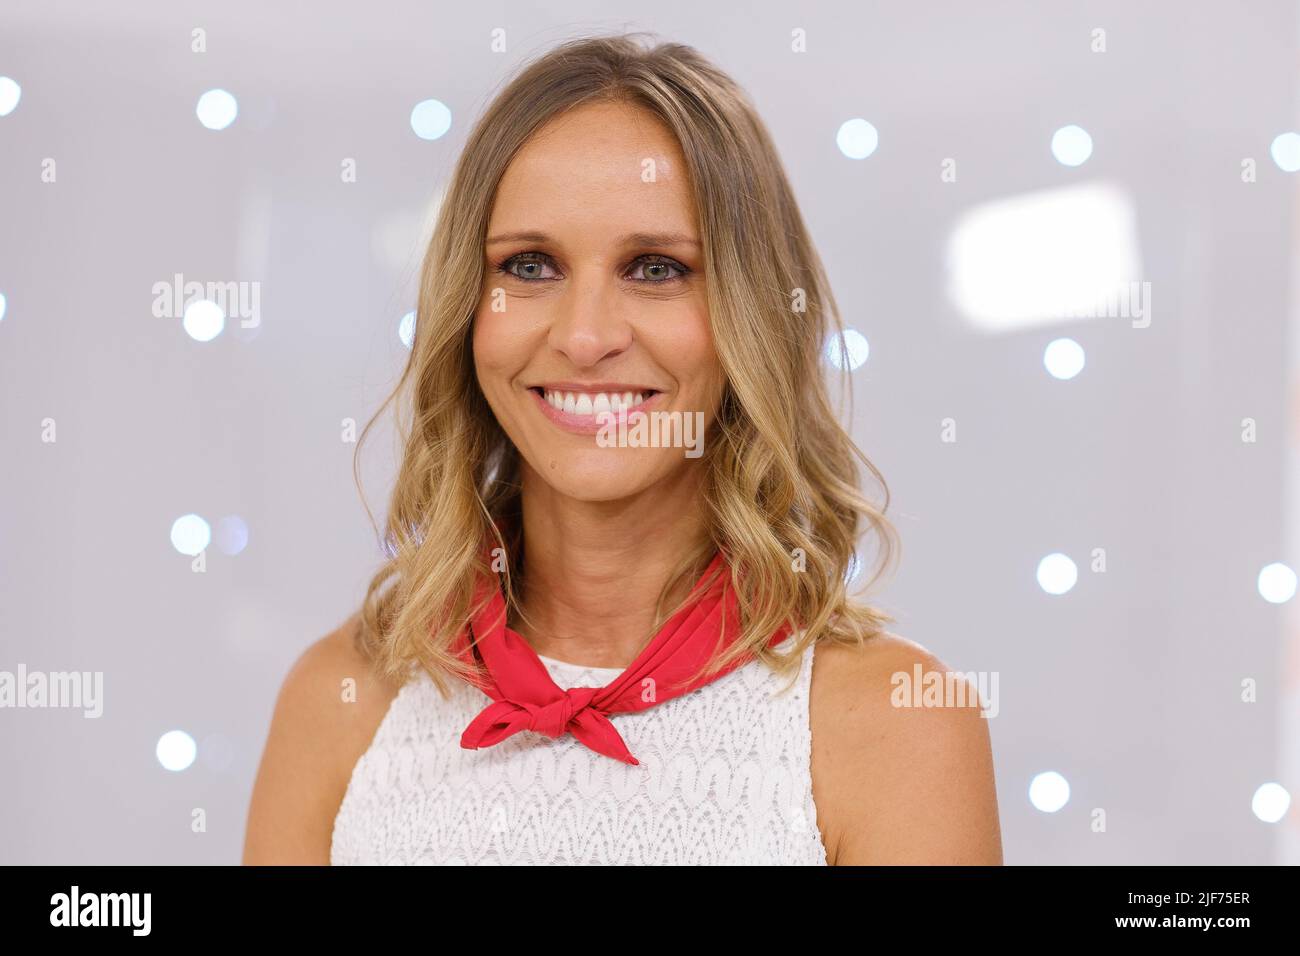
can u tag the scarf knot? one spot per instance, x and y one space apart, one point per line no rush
525 696
554 718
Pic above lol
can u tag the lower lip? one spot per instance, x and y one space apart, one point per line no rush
587 424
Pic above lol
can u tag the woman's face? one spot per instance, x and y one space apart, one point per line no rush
594 295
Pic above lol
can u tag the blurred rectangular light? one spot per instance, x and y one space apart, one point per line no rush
1043 257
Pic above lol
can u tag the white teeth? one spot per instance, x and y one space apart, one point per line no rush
592 403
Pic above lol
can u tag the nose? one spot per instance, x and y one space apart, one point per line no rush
587 325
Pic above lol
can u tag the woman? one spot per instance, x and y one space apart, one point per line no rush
596 646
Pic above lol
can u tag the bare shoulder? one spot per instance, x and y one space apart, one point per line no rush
329 706
894 782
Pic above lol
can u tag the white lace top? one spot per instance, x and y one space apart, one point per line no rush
723 778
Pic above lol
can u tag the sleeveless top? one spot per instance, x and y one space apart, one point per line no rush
724 778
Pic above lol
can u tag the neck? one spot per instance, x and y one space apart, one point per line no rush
594 570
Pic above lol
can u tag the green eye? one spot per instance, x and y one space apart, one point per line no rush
656 269
529 260
662 265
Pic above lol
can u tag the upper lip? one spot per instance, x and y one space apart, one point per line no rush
593 387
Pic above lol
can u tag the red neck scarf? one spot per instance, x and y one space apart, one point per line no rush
526 698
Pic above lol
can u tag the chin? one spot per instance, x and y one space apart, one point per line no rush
606 475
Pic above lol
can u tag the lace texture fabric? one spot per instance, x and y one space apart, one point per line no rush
724 778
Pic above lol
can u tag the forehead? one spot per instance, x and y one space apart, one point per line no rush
597 170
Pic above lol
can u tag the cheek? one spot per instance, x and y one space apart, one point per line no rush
500 350
686 349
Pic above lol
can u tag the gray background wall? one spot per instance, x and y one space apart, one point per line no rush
1129 685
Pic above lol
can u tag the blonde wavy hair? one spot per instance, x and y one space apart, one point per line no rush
782 482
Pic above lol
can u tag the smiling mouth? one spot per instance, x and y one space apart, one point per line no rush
592 403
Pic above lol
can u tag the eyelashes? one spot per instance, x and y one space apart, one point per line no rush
507 267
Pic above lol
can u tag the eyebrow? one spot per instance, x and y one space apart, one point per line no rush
631 239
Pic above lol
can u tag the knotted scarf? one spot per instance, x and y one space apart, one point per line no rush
526 698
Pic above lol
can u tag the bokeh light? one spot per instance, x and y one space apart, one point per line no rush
857 139
1276 583
217 109
1270 802
203 320
847 352
1063 358
176 750
231 534
1049 791
1286 152
406 329
1071 145
1057 574
190 534
430 119
10 94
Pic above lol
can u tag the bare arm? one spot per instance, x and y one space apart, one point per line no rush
318 732
899 785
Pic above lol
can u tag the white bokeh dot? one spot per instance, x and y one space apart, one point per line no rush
1071 145
1276 583
1063 358
10 94
430 119
406 329
1270 802
203 320
1286 152
217 109
849 351
857 139
4 304
176 750
1057 574
1049 791
190 534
